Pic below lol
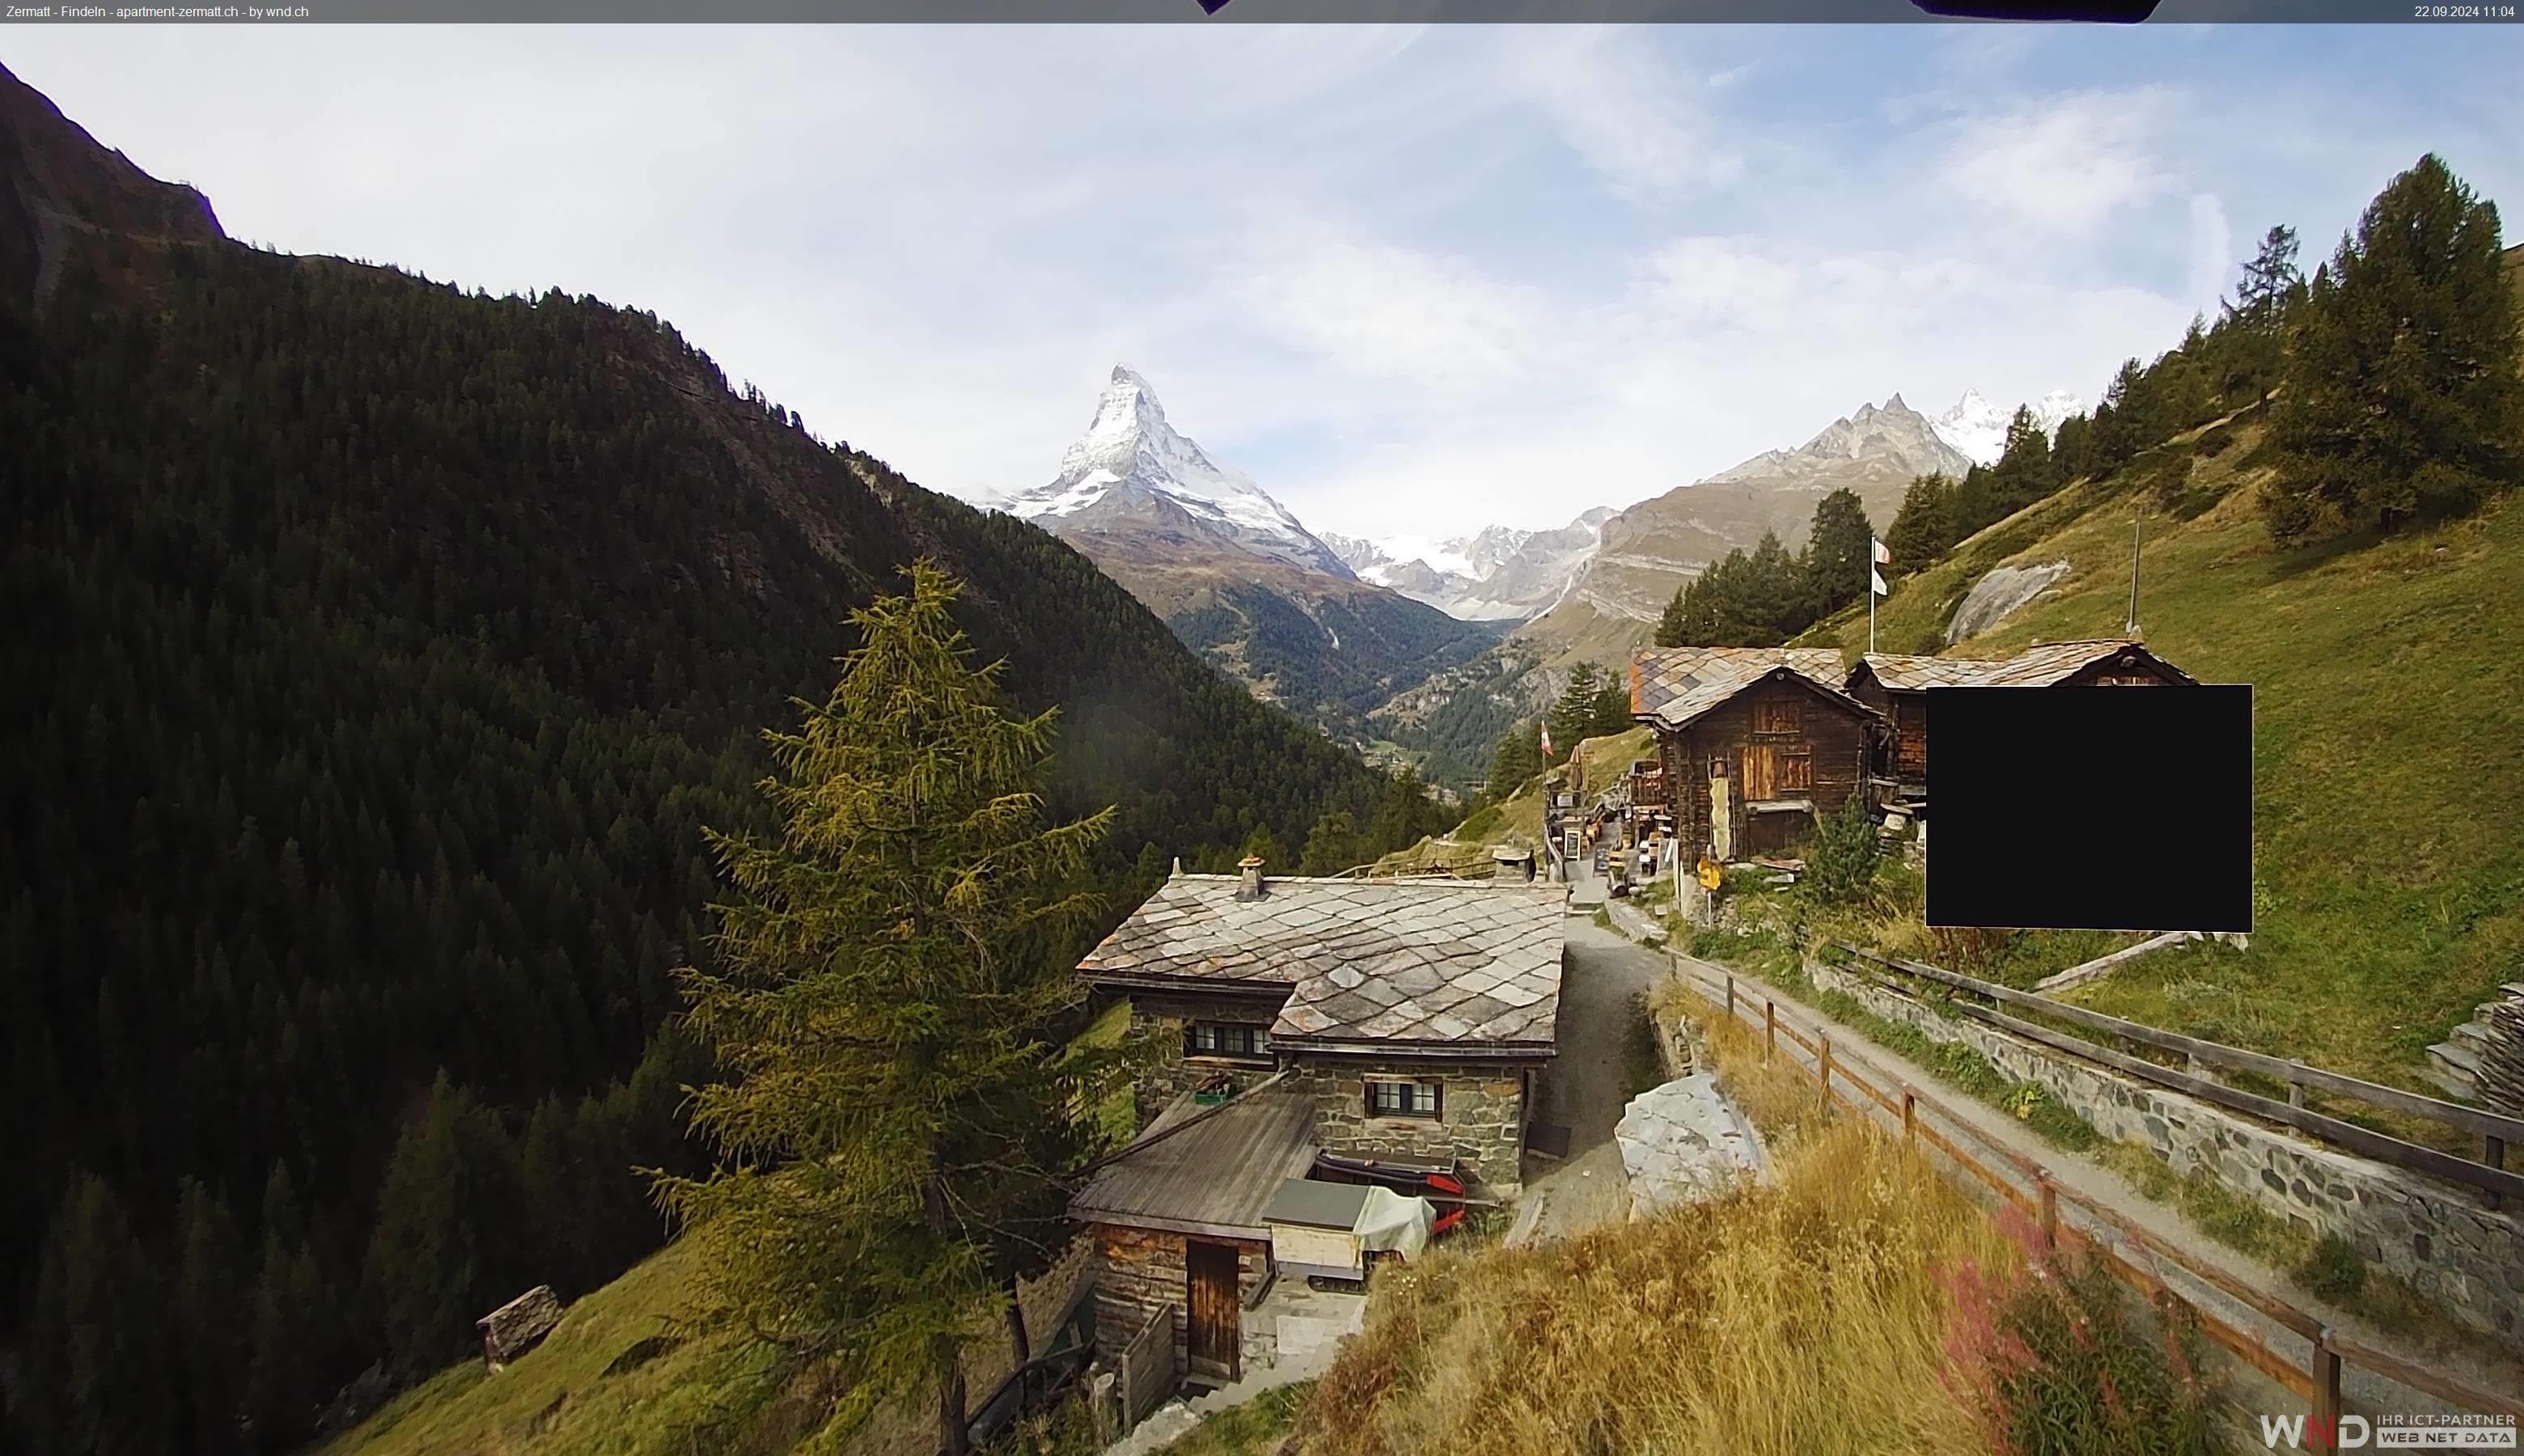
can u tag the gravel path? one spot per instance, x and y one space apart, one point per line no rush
1588 1084
2363 1393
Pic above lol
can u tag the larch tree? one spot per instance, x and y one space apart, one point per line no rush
897 1114
2402 397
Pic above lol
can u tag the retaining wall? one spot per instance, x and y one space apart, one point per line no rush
2437 1237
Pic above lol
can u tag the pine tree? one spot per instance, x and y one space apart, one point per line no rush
1259 844
289 1327
96 1344
895 1120
1332 845
1613 706
210 1302
1925 526
2402 398
1572 714
1834 564
1517 758
436 1260
2123 423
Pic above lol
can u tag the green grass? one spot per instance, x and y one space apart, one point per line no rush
610 1380
2388 739
1254 1428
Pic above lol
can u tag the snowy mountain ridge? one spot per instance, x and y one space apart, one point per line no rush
1131 465
1978 428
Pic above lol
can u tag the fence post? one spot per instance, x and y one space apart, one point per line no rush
1730 998
1770 1028
2493 1153
1910 1114
2322 1432
1822 1069
2049 1197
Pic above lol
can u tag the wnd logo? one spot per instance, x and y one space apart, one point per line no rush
2345 1433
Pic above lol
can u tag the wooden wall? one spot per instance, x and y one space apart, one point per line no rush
1824 758
1139 1271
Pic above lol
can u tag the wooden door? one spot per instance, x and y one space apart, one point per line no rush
1760 771
1210 1298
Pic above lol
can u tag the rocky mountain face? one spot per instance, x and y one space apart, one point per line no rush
1498 574
1235 574
1649 551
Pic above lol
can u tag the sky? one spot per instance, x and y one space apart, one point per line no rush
1412 282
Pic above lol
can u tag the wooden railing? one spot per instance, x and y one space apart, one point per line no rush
2490 1175
2315 1378
1148 1372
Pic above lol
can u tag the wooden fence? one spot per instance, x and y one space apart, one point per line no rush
2490 1175
2315 1378
1149 1366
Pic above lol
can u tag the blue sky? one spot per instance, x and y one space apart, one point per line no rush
1411 280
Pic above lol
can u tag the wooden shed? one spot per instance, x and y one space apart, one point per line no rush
1178 1223
1897 685
1755 743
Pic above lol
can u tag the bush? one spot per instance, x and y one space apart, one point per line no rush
1842 862
2051 1364
2334 1270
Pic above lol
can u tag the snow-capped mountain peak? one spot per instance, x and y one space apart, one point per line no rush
1978 428
1132 462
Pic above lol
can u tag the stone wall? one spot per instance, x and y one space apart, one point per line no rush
2440 1239
1159 1085
1480 1115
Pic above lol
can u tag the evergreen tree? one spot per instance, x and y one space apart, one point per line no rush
2403 398
1836 559
96 1344
1332 845
1572 714
2022 474
2123 423
1841 862
211 1301
1613 704
1775 594
1925 526
1517 758
2073 450
291 1326
1259 844
436 1259
1406 814
895 1112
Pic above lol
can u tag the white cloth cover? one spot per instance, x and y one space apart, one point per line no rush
1395 1221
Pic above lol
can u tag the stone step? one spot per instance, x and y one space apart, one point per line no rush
2454 1068
2448 1079
2471 1035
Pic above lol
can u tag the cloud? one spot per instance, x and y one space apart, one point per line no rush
2213 251
1630 116
1380 311
2063 165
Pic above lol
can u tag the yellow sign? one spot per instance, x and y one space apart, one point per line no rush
1711 876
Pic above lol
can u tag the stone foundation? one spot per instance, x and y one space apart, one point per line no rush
2439 1238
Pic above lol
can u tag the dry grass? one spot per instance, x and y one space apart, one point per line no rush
1806 1317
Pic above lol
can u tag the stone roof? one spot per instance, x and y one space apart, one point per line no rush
2037 666
1674 685
1443 966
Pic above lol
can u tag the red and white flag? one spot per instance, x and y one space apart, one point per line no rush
1883 555
1546 739
1875 578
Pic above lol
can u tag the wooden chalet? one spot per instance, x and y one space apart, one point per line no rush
1177 1222
1897 686
1754 742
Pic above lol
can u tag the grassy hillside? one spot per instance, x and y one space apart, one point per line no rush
2387 754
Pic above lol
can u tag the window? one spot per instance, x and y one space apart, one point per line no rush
1402 1100
2123 680
1226 1039
1796 770
1777 715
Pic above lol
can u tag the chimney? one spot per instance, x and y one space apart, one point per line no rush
1252 889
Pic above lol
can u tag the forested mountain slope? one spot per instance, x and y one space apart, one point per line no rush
376 653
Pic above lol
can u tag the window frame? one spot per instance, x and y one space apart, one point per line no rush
1409 1111
1768 712
1255 1036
